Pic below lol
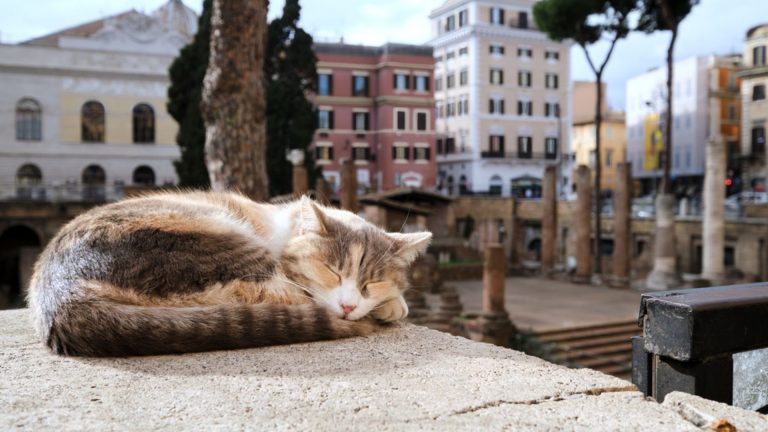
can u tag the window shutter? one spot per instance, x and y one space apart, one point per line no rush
407 153
426 83
330 153
394 152
501 143
367 121
330 119
330 84
490 106
394 81
407 82
428 153
530 108
501 110
501 16
501 76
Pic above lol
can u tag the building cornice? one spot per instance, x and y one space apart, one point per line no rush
343 100
493 31
753 72
406 101
81 73
371 67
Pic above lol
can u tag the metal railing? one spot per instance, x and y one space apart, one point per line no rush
703 341
517 155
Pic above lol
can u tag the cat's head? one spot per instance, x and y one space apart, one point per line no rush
349 265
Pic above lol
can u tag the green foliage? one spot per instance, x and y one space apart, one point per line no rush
184 95
570 19
652 14
291 72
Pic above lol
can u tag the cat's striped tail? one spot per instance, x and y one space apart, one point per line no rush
104 328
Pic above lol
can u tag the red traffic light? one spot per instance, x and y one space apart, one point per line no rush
728 182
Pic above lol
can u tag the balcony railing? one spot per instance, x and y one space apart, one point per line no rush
517 155
61 192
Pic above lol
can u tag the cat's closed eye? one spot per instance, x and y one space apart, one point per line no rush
376 289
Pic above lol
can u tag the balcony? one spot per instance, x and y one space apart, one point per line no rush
517 155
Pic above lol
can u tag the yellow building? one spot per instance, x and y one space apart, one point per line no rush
612 143
84 109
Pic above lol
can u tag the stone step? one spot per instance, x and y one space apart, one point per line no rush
576 355
582 344
589 332
607 360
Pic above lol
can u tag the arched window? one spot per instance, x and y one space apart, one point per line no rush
94 178
143 124
29 175
29 120
144 176
92 122
28 182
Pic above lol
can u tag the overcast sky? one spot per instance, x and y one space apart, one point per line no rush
714 27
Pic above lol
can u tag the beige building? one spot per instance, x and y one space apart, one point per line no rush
84 108
613 146
754 105
502 97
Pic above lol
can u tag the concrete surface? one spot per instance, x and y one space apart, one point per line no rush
406 378
709 415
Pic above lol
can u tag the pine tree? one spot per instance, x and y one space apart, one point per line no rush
184 96
291 73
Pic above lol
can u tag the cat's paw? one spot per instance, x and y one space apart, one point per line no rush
391 310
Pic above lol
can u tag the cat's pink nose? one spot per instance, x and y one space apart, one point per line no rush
347 309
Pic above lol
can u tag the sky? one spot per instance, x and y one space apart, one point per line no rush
713 27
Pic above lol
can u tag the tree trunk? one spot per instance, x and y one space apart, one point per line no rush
664 275
233 98
666 180
598 173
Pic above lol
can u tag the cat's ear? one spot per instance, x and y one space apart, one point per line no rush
313 218
411 245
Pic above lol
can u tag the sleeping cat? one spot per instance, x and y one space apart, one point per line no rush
199 271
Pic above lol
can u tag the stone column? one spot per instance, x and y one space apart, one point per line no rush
300 180
349 186
664 275
494 324
583 221
622 220
549 221
323 191
494 275
713 226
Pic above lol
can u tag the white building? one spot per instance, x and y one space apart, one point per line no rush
502 92
87 106
705 91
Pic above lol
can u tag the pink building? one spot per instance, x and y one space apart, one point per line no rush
376 106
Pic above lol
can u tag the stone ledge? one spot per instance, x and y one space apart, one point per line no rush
407 378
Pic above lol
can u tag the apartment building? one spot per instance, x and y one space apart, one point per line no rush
612 147
376 106
502 95
705 103
754 80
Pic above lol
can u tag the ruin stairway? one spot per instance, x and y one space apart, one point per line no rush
605 347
